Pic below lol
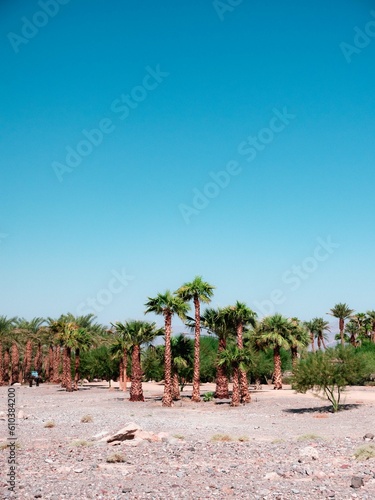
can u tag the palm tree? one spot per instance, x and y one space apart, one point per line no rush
66 337
320 327
275 332
182 362
87 335
299 338
6 329
217 322
341 312
31 331
233 360
311 329
241 316
364 324
137 333
167 304
353 331
198 291
119 349
371 317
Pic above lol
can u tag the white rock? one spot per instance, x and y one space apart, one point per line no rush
309 452
272 476
125 433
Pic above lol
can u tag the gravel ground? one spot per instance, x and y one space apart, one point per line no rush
280 446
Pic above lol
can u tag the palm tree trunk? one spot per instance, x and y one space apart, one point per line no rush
312 340
294 353
167 396
50 363
222 389
121 375
76 368
176 396
136 391
15 364
1 365
236 387
27 361
341 327
67 373
56 365
277 374
124 368
196 373
244 385
6 366
38 359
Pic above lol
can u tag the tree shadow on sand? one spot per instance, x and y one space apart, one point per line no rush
321 409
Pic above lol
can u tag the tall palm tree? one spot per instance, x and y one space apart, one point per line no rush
275 332
310 325
233 360
341 311
167 304
218 322
198 291
353 331
364 324
299 338
31 331
137 333
371 316
242 316
86 336
6 325
320 328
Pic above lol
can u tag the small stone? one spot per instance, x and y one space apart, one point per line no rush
78 471
295 491
309 452
126 490
368 437
272 476
356 482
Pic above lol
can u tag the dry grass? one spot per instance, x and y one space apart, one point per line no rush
365 452
115 458
81 442
309 437
49 424
243 439
4 446
221 437
179 436
86 419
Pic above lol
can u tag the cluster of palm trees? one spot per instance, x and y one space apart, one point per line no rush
49 345
46 346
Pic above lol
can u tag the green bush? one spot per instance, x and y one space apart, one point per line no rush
330 372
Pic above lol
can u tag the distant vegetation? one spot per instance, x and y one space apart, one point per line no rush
220 345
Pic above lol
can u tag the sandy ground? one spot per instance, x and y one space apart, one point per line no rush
212 451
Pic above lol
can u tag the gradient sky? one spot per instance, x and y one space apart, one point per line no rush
223 75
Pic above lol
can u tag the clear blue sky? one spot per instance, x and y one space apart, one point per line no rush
180 90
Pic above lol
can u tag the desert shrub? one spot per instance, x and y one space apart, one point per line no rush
86 419
208 357
365 452
329 372
115 458
153 363
98 363
208 396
